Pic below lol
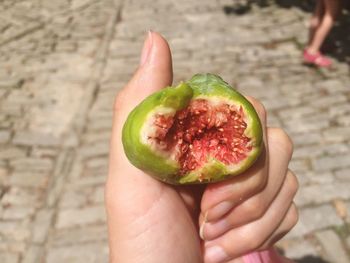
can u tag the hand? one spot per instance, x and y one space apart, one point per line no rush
254 210
150 221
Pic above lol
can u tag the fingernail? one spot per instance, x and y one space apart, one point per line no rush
215 254
146 50
220 210
213 230
201 229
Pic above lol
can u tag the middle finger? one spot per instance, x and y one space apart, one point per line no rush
254 207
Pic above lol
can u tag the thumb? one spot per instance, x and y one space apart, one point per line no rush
129 193
154 72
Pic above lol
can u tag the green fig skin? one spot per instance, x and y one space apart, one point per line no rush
208 86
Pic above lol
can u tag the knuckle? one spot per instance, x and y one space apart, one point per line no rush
284 141
293 216
293 183
259 107
250 240
254 208
259 182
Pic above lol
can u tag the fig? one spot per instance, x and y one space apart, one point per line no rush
200 131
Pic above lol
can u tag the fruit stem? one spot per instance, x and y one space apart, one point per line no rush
178 97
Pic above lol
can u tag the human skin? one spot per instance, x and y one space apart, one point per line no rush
149 221
321 23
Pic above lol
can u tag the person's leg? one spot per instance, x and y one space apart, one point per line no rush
316 19
331 9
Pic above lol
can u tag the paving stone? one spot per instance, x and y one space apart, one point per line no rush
298 248
333 148
12 152
10 83
344 120
71 198
336 134
310 194
44 152
343 174
4 136
79 235
33 138
303 139
333 246
299 165
18 196
95 150
34 254
10 246
17 213
96 180
4 173
15 231
98 195
7 257
296 112
66 46
331 162
42 224
339 109
85 253
331 85
311 125
328 101
312 178
313 218
32 164
348 242
29 179
78 217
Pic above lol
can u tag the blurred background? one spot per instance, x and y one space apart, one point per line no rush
63 61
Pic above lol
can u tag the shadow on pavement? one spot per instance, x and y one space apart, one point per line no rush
311 259
337 44
305 259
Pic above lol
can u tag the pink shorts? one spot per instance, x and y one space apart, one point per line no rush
266 256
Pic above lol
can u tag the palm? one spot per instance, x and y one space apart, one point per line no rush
149 210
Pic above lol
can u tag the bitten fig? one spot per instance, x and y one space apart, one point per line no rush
198 132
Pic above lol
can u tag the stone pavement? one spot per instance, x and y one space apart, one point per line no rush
63 61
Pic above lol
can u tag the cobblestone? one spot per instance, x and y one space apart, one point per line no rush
9 257
12 152
73 217
4 136
34 139
331 162
333 246
42 224
298 248
85 253
33 255
343 174
311 193
79 235
313 218
17 213
61 64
